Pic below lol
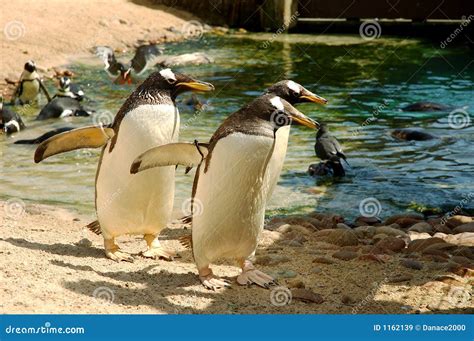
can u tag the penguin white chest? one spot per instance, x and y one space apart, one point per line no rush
278 158
29 91
139 203
230 198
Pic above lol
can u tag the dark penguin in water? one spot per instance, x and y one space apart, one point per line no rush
68 89
61 107
145 56
30 85
427 106
233 182
10 121
133 204
412 135
329 150
45 136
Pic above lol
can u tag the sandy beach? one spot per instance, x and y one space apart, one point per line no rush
54 32
52 264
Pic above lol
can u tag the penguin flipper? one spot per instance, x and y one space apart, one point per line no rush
184 154
87 137
186 241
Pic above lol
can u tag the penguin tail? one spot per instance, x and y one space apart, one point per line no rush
94 227
186 241
338 170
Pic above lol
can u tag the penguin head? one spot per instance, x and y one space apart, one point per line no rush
11 127
125 75
30 66
294 93
175 83
64 83
279 112
323 129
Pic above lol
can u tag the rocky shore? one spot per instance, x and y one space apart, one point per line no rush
324 264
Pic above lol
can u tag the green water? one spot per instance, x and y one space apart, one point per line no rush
357 77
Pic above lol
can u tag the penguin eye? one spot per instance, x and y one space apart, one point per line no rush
171 80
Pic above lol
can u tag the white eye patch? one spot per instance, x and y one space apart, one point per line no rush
168 74
293 86
276 102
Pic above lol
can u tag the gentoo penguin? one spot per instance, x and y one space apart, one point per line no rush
45 136
143 59
127 204
412 135
62 107
232 184
329 150
68 89
30 85
10 121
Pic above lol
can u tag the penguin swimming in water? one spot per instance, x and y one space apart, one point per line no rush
128 204
232 184
10 121
144 57
329 150
61 107
68 89
30 85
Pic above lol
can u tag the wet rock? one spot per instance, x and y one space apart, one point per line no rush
394 218
398 278
412 235
464 228
457 220
338 237
407 222
421 227
345 255
419 245
307 296
323 260
364 221
272 259
390 231
365 231
411 264
296 283
391 243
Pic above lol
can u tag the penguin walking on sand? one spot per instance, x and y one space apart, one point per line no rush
30 85
10 121
329 150
125 203
231 187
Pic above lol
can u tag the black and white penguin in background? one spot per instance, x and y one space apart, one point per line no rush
10 121
125 203
68 89
236 174
30 85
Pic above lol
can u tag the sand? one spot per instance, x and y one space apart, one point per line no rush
53 32
51 264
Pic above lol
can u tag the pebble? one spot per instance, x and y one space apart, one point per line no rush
323 260
339 237
406 222
342 226
397 278
396 217
365 231
390 231
421 227
272 259
345 255
411 264
457 220
442 228
296 283
307 296
419 245
464 228
285 274
464 238
391 243
316 270
412 235
378 237
346 299
364 221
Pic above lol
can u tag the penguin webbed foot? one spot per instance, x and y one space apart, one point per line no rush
250 275
160 253
211 281
119 256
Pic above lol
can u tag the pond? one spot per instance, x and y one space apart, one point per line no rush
366 84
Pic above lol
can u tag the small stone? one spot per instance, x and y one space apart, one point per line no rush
323 260
411 264
463 261
400 278
419 245
342 226
442 228
378 237
464 238
283 228
345 255
464 228
307 296
390 231
346 299
316 270
271 259
391 243
365 231
364 221
84 243
339 237
412 235
394 218
285 274
457 220
296 283
421 227
123 21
